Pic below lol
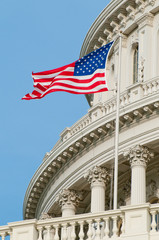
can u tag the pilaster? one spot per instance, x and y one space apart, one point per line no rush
145 29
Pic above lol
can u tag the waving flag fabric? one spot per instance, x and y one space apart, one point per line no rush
84 76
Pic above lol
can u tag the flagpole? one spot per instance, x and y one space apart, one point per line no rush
117 127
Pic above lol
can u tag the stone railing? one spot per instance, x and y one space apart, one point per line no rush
84 226
154 218
134 93
151 87
5 231
129 222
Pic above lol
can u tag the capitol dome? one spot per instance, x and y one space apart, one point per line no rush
73 187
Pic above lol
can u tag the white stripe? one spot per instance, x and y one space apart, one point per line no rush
45 84
77 84
82 77
97 88
38 90
72 77
100 86
70 69
32 95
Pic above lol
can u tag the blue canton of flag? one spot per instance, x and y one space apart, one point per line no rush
88 64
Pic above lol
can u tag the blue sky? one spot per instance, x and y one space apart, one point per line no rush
36 35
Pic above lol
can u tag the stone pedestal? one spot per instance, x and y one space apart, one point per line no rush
98 177
24 230
137 222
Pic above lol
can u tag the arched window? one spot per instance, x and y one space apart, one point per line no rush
135 64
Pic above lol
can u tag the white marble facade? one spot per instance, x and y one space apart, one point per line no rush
70 195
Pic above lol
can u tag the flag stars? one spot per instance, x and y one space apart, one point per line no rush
88 64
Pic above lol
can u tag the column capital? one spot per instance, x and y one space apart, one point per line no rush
68 197
139 155
97 175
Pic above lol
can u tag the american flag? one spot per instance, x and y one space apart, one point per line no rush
84 76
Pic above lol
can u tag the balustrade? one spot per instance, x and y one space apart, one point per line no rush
108 107
99 226
150 87
83 227
5 233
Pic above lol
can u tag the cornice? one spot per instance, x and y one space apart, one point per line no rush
79 141
119 16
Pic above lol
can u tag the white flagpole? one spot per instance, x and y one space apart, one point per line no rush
117 127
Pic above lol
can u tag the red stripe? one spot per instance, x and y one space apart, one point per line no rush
41 87
43 80
65 73
101 75
76 87
62 90
74 79
74 92
39 95
36 93
54 70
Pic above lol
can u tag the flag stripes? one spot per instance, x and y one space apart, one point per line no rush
85 76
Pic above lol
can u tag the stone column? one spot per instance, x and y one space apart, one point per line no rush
98 177
138 157
68 201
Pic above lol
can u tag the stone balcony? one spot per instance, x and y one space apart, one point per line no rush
136 222
135 93
139 103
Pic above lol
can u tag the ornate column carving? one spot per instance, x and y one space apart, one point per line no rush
138 156
68 201
98 177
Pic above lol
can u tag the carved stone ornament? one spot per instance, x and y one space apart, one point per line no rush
139 155
152 2
127 188
45 216
121 202
68 197
97 174
152 189
141 69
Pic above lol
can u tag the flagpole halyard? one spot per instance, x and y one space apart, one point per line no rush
117 128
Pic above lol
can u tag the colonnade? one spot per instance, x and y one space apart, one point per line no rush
99 177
